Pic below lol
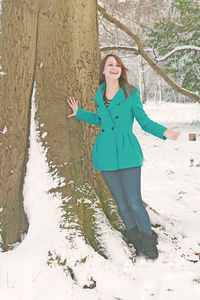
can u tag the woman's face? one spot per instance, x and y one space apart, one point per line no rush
112 69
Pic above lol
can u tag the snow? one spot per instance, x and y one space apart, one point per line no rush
1 73
178 48
5 129
170 185
41 65
44 134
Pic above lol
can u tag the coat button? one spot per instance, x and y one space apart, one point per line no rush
103 130
116 117
112 128
99 118
118 104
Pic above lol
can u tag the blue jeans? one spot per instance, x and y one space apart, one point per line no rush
125 187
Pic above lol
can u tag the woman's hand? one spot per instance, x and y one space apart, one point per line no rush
74 106
171 134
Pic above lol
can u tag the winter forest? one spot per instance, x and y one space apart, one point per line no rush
61 233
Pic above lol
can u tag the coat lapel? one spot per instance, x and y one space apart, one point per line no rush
117 100
104 111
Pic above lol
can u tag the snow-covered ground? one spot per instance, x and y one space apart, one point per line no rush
170 185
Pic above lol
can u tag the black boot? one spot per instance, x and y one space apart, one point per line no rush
133 237
148 244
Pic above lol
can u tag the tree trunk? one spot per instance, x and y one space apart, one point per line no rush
69 56
18 48
142 84
63 61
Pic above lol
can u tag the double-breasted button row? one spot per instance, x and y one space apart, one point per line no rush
117 117
111 128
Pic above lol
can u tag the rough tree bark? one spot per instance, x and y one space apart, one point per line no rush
18 47
54 44
68 51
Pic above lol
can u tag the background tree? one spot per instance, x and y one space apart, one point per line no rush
176 40
141 51
136 18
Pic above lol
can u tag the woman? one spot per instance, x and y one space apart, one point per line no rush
117 153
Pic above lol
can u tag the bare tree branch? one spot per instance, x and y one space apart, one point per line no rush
142 52
176 49
119 48
158 59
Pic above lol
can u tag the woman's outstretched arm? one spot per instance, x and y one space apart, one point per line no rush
81 114
150 126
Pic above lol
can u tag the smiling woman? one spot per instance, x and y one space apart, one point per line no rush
117 152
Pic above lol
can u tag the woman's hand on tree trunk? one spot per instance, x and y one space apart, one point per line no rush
171 134
73 103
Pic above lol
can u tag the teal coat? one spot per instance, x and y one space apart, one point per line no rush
116 146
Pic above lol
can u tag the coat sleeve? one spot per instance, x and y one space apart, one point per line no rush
145 122
88 117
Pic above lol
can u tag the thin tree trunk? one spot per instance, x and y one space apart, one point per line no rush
141 79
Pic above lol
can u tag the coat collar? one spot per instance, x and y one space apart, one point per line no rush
116 100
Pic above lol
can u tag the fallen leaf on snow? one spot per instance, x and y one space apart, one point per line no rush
8 248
